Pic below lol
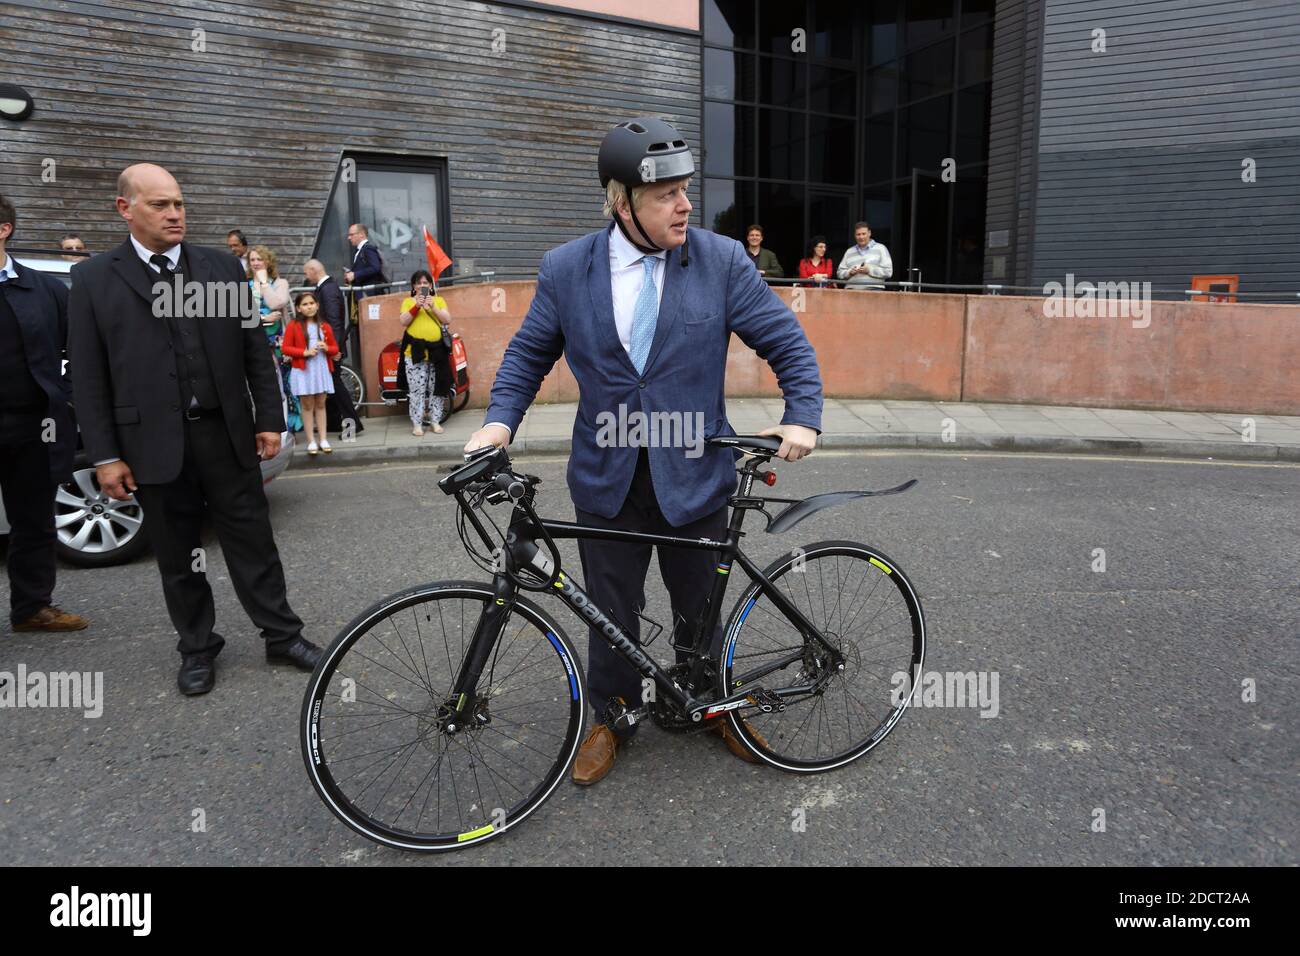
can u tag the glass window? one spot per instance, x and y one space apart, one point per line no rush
780 144
728 140
923 135
832 35
879 148
878 212
927 20
973 124
830 149
732 207
332 246
394 204
783 82
780 211
830 214
976 11
969 194
833 91
728 75
928 71
882 31
776 23
882 88
975 56
729 22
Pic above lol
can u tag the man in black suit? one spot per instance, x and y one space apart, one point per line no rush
339 408
367 264
37 436
162 401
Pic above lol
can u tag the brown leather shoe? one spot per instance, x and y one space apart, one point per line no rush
735 744
52 619
596 755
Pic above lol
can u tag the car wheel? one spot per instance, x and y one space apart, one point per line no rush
93 529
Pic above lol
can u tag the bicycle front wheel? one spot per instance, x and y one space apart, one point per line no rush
866 608
382 750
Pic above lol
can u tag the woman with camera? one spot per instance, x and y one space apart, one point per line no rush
426 348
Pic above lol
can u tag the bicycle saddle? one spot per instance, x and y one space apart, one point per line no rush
763 445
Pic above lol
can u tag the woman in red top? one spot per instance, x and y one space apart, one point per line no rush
817 267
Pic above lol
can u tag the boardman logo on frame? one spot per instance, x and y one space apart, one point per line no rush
77 909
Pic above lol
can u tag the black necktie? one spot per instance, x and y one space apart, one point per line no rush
163 263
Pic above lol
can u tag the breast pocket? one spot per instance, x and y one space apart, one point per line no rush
696 324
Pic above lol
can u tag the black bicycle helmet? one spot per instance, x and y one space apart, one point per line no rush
639 152
644 150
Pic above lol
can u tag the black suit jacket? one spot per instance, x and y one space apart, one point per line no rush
335 311
367 268
124 370
41 304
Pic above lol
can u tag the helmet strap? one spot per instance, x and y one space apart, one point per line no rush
648 246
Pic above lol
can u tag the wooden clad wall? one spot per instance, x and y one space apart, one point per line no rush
254 126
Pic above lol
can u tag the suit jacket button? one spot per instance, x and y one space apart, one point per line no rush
640 384
175 407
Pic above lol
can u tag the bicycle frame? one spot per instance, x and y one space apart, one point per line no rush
525 553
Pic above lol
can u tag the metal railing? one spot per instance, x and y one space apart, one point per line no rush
998 288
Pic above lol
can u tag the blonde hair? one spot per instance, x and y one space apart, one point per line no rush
269 258
615 193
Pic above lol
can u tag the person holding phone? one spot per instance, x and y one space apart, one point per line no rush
426 348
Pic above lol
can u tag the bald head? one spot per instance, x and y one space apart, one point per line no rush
314 270
149 199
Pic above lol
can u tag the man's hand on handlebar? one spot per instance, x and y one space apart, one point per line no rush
497 435
796 440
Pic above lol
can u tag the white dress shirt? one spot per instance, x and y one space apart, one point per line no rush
173 254
7 270
626 277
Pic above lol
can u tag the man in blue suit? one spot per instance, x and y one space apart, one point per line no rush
643 317
367 264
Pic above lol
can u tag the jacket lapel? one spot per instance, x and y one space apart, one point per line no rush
602 299
675 279
128 266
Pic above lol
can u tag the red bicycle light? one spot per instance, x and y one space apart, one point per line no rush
769 477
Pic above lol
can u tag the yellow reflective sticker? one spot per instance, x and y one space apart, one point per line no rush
882 565
473 834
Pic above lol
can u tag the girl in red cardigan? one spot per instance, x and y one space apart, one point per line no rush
310 344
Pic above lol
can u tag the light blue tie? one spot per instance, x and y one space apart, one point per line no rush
645 316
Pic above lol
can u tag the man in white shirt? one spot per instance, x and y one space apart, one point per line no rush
866 263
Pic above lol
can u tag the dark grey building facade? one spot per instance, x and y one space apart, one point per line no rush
1000 141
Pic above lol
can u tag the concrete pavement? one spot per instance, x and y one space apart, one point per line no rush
868 424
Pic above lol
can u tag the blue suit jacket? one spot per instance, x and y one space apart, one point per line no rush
367 268
718 293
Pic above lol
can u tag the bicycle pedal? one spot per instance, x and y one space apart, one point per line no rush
766 701
621 717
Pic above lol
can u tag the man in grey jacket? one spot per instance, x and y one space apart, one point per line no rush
867 263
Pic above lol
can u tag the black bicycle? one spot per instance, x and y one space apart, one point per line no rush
446 714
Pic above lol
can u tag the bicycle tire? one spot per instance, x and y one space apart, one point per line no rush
324 755
353 382
746 721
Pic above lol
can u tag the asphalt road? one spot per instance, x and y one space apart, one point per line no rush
1119 690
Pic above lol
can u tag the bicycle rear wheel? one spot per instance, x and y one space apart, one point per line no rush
378 742
866 607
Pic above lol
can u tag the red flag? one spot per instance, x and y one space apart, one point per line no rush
438 260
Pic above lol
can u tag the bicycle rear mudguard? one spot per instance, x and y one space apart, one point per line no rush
792 515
